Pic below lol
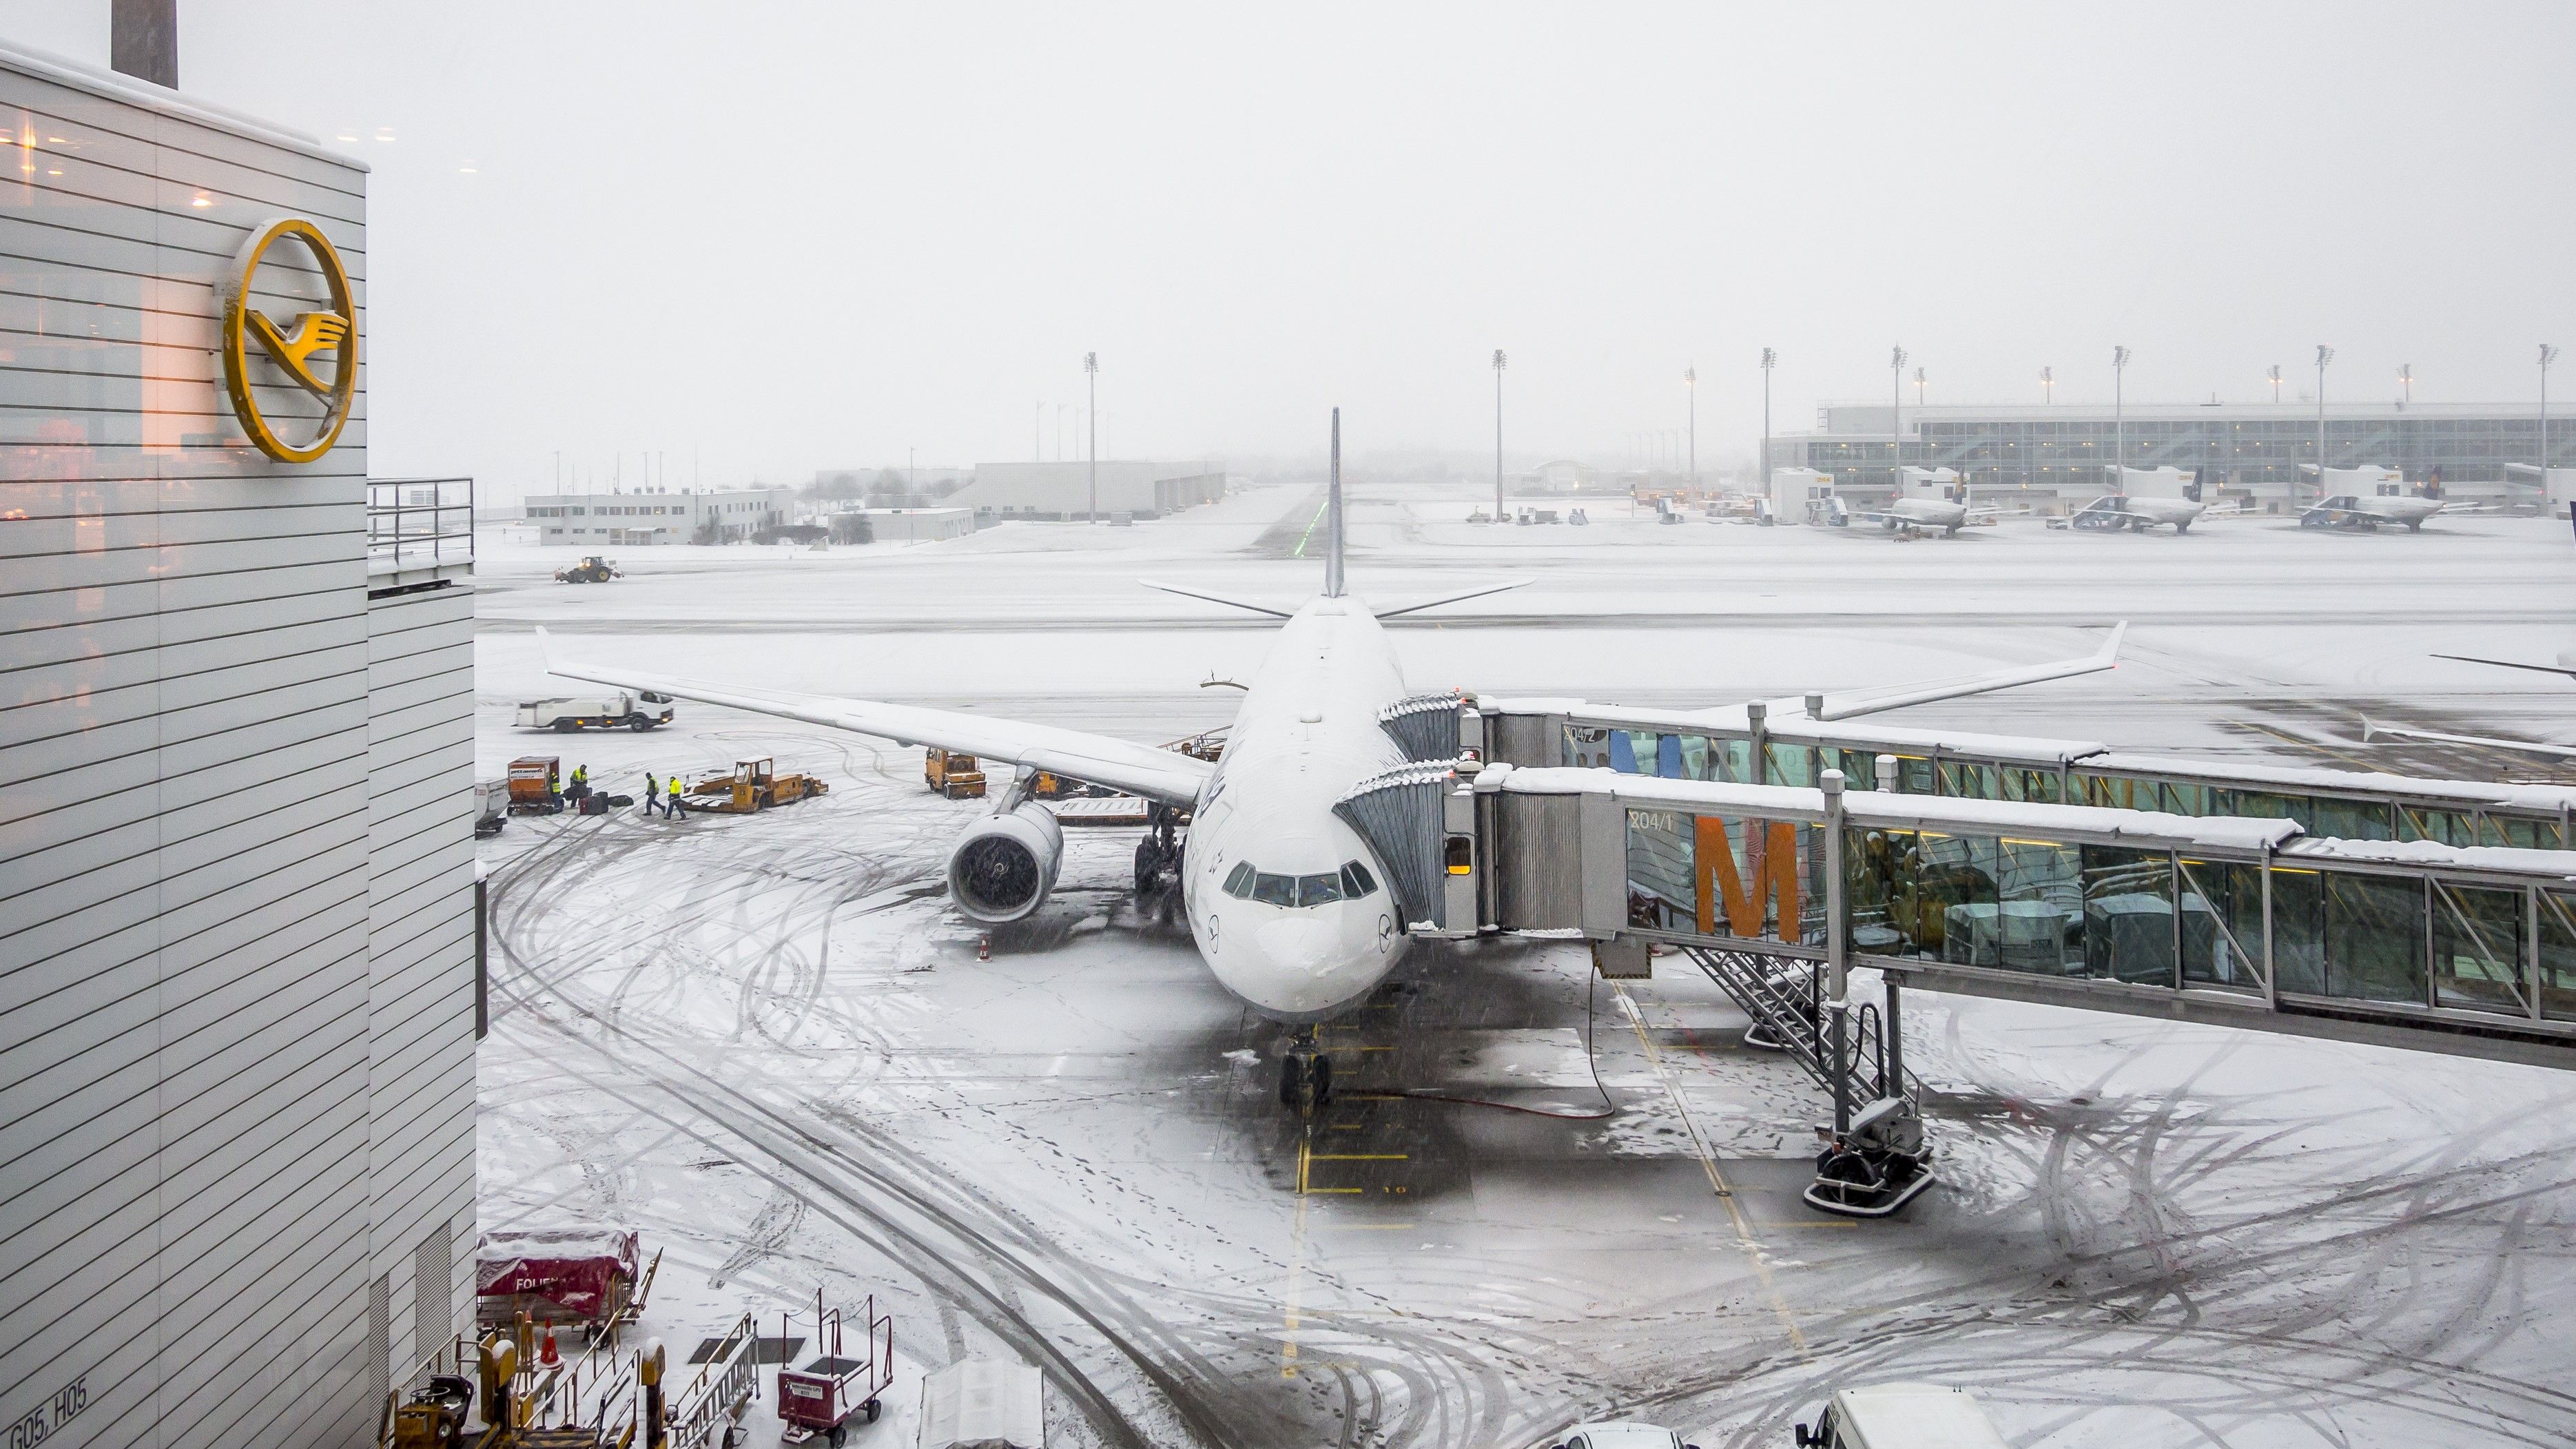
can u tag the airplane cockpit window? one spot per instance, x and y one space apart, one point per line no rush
1350 883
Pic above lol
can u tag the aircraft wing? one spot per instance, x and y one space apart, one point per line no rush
1855 703
2511 664
2372 731
1156 774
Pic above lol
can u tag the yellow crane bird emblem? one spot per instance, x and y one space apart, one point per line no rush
314 332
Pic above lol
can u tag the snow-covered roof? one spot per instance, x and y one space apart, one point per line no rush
1732 719
2550 864
2354 782
1899 811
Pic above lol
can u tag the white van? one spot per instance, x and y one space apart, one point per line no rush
634 711
1902 1416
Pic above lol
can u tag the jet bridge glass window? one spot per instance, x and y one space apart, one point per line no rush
2374 937
2521 831
2556 949
2438 826
2350 819
2477 948
2129 915
2222 924
1709 876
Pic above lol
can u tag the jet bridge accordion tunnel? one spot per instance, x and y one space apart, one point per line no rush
2242 921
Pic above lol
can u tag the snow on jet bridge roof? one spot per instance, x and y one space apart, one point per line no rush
1901 811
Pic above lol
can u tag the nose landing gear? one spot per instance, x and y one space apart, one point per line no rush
1305 1075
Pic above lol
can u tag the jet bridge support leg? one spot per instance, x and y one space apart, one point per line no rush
1873 1161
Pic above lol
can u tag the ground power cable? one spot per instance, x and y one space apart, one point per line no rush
1591 1058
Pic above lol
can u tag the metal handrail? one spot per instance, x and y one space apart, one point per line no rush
419 523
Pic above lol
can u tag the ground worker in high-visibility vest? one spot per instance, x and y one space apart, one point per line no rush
580 782
674 800
652 793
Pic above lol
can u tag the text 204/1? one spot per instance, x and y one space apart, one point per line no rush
34 1427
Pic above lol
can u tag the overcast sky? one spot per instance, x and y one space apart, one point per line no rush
780 237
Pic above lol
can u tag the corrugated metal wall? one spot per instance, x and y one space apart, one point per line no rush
420 977
186 817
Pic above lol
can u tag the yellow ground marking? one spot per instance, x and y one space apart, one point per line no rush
1358 1156
1296 1269
2372 766
1716 1179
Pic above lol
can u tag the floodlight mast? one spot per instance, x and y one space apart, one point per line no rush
1091 377
2325 355
2119 420
1498 434
2548 355
2048 384
1769 358
1896 419
1690 380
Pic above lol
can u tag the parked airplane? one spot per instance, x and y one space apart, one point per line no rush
1928 498
2365 498
1287 903
2147 498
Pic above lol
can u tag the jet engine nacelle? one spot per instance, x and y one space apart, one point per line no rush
1004 865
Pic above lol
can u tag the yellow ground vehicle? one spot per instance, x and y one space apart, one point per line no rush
952 774
753 785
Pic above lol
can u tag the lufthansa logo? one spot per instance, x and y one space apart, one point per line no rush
292 350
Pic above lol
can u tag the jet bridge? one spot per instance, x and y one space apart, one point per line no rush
1776 890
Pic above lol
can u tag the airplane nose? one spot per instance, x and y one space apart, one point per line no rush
1297 945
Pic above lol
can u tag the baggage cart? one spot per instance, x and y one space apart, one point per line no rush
847 1379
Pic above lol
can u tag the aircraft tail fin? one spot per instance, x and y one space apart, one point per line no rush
1333 518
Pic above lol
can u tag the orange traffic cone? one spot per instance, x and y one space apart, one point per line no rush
984 947
547 1354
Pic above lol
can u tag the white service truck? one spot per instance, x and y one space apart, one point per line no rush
598 712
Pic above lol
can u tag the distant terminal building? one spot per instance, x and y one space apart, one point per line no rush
901 525
2247 452
237 878
1005 491
642 519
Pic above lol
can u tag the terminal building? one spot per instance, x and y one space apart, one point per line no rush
643 518
1003 491
237 922
2251 453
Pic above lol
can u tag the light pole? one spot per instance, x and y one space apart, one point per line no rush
2325 355
2276 382
1769 358
1498 435
2548 355
1091 380
2119 419
1896 419
2406 383
1037 436
2048 384
1918 387
1690 380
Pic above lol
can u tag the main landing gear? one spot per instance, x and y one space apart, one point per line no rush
1305 1075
